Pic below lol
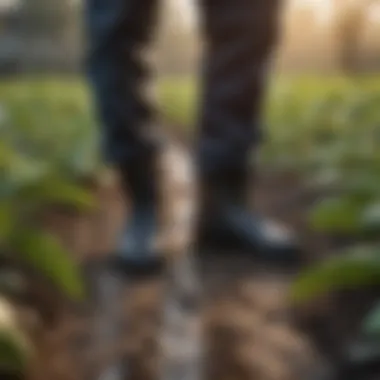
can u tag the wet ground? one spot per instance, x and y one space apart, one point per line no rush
249 329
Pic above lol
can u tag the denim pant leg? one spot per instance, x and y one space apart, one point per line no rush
240 36
117 31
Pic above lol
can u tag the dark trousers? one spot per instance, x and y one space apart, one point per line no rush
239 35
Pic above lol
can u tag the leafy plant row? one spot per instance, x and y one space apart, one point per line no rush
47 146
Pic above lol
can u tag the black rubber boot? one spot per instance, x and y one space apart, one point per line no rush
137 249
227 224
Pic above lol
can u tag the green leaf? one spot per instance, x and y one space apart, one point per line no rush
13 357
370 218
339 215
344 272
364 183
7 153
57 190
371 323
43 253
25 171
7 220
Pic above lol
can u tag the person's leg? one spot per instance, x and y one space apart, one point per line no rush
240 36
118 30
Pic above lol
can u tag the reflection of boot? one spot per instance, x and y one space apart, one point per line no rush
227 222
137 249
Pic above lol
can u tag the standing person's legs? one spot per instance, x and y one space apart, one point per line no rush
118 30
240 36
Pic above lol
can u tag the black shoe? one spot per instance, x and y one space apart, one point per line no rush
137 251
227 225
237 228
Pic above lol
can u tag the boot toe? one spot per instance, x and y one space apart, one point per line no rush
137 252
239 231
278 242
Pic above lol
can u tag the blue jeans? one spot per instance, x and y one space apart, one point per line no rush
239 35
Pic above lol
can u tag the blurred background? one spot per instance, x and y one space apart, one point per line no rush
326 36
322 150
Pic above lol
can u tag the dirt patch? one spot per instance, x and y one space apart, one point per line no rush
249 330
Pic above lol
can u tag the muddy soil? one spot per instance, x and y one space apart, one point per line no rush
250 329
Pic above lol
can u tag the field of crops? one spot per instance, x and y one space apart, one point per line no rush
326 130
